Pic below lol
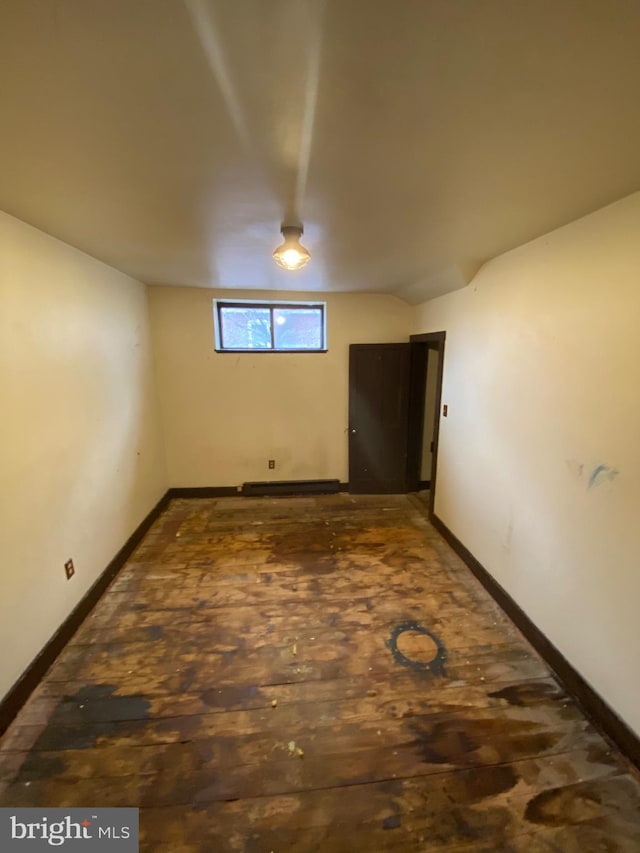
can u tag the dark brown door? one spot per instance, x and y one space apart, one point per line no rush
378 417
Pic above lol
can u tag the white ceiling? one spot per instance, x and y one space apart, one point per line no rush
415 139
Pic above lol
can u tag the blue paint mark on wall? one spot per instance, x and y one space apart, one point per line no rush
602 474
575 468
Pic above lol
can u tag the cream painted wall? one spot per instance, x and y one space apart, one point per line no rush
225 415
81 453
539 458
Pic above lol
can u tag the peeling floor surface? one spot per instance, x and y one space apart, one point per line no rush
315 674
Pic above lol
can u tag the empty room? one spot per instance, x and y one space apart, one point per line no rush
320 481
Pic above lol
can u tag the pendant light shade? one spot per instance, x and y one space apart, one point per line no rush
291 255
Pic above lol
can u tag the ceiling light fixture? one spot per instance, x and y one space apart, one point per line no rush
291 255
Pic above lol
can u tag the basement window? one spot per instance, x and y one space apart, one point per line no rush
245 325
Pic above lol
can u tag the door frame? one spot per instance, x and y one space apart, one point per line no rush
421 345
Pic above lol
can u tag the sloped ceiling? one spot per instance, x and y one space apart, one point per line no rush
414 139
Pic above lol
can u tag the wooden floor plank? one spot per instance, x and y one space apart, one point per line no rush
317 673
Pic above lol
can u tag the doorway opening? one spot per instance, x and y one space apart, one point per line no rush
427 364
395 392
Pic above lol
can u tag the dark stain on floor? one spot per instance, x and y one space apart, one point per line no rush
460 742
564 805
78 721
314 545
40 766
529 693
230 695
155 632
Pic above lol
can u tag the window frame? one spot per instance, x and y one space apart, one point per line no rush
271 306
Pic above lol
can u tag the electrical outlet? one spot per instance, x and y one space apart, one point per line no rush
69 570
272 463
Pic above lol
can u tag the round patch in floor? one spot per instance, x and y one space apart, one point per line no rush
417 646
414 646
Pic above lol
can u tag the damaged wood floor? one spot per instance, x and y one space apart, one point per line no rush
315 674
